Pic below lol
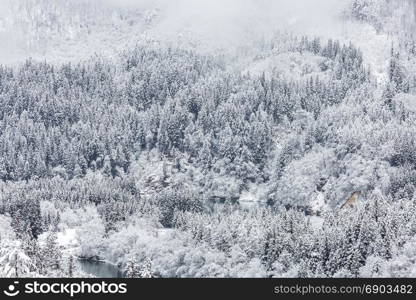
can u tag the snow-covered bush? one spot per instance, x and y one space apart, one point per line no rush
90 233
6 230
14 262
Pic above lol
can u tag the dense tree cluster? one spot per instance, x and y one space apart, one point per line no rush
290 245
166 140
95 116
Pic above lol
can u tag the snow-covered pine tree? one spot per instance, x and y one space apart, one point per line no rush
51 253
132 268
146 269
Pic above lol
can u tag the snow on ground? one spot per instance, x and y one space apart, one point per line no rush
164 232
316 222
289 65
68 238
318 205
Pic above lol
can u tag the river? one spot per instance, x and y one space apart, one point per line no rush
99 269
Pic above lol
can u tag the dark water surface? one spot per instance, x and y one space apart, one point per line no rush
99 269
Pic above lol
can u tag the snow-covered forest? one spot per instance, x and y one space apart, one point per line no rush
133 136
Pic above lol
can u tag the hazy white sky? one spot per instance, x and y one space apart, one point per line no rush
230 16
233 21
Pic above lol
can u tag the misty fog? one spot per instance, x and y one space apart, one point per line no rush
221 24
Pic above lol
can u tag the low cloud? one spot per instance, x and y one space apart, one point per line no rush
215 22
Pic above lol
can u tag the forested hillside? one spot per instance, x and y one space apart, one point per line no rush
172 162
